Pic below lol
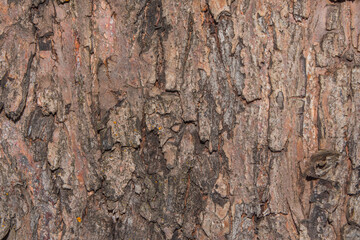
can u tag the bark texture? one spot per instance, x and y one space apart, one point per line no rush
191 119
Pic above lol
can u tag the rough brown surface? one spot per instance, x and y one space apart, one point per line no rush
191 119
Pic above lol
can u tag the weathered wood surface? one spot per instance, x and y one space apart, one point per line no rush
191 119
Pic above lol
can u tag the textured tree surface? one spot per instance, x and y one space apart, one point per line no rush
169 119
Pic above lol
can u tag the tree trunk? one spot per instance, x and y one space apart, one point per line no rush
191 119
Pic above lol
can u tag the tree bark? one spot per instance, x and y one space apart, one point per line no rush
191 119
